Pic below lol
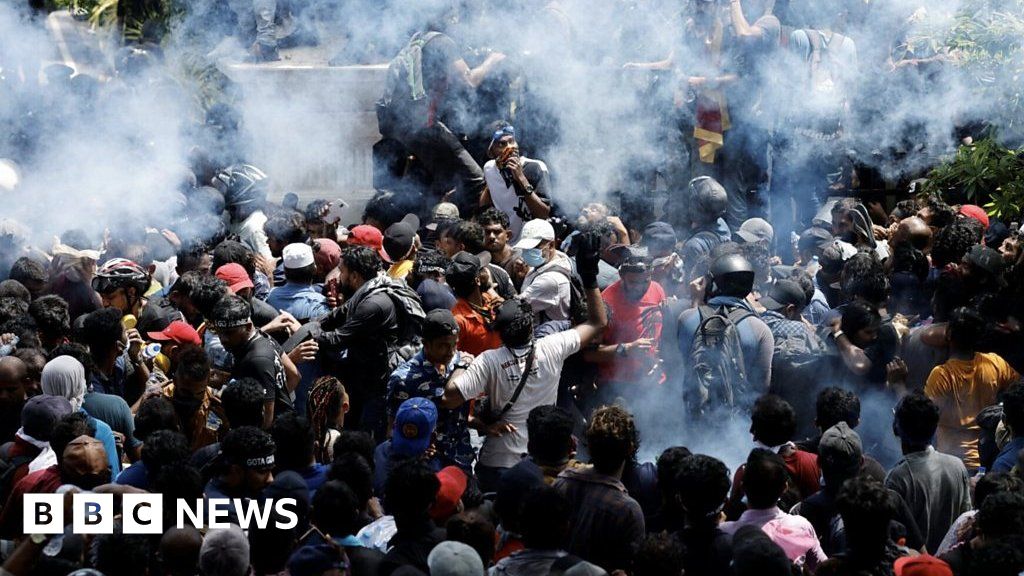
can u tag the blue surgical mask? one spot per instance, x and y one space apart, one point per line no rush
533 257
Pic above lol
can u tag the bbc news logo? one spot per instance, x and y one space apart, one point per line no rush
144 513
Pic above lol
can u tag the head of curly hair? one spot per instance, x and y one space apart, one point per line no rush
612 438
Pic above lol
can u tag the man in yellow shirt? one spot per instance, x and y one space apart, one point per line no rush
968 382
400 245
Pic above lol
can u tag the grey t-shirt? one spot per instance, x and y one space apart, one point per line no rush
937 489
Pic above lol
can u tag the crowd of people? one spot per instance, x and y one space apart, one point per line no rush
457 381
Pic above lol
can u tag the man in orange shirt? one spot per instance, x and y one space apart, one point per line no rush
475 305
968 382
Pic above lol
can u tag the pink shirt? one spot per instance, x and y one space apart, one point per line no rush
794 534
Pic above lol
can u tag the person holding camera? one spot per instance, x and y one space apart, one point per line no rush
524 373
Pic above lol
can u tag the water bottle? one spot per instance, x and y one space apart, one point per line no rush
814 266
150 351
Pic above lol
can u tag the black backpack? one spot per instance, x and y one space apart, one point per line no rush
797 363
716 363
7 470
578 312
405 101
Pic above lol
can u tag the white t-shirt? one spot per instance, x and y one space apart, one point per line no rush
496 373
504 197
548 291
250 232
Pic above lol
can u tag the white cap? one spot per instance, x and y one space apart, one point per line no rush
297 255
534 232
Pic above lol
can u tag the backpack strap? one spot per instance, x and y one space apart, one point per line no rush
522 383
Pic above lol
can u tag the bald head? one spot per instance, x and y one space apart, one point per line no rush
915 231
13 374
179 551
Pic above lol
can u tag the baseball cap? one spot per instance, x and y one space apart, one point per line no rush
439 322
451 558
534 232
399 238
326 253
923 565
976 212
659 234
435 295
840 442
465 264
414 426
443 211
814 238
784 293
41 413
986 258
756 230
177 331
453 486
235 276
85 456
634 259
366 235
297 255
314 560
225 552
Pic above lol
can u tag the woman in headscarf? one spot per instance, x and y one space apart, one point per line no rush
64 376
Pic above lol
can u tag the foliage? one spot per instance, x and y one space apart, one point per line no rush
984 173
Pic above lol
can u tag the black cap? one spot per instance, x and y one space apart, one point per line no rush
659 234
784 293
41 413
985 258
509 311
399 237
814 238
438 323
634 259
466 264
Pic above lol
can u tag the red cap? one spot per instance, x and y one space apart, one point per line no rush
453 486
366 235
177 331
326 254
923 565
236 277
976 212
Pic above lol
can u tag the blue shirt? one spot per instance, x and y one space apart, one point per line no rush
99 382
304 301
1007 458
135 475
315 476
105 435
418 378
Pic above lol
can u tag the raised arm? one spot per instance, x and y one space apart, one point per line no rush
588 254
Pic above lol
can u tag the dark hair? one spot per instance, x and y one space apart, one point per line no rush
356 442
764 479
658 555
286 227
863 277
208 291
544 518
155 414
668 465
1001 514
859 315
806 283
336 509
120 554
189 259
950 294
26 270
916 419
386 207
904 209
772 421
271 547
476 531
429 259
51 316
13 289
493 216
67 429
187 283
549 429
996 483
518 332
232 252
702 485
244 441
177 481
101 331
304 275
409 491
1013 408
291 430
353 469
999 557
966 328
835 405
164 447
866 508
362 261
470 234
231 309
942 213
952 242
611 438
193 363
243 401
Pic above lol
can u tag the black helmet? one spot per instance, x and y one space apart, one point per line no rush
708 200
730 275
242 184
120 273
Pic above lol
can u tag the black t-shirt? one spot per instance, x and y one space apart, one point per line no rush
438 56
260 358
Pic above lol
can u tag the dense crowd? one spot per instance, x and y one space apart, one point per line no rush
457 381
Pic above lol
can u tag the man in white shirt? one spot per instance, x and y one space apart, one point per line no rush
516 185
547 286
498 373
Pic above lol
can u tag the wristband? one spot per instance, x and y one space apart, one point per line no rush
589 281
837 334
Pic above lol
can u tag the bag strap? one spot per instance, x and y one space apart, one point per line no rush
522 383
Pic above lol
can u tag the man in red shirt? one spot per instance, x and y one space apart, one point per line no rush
474 307
628 357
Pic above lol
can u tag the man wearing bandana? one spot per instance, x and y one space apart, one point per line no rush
627 356
516 185
246 463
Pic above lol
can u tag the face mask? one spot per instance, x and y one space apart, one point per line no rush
533 257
